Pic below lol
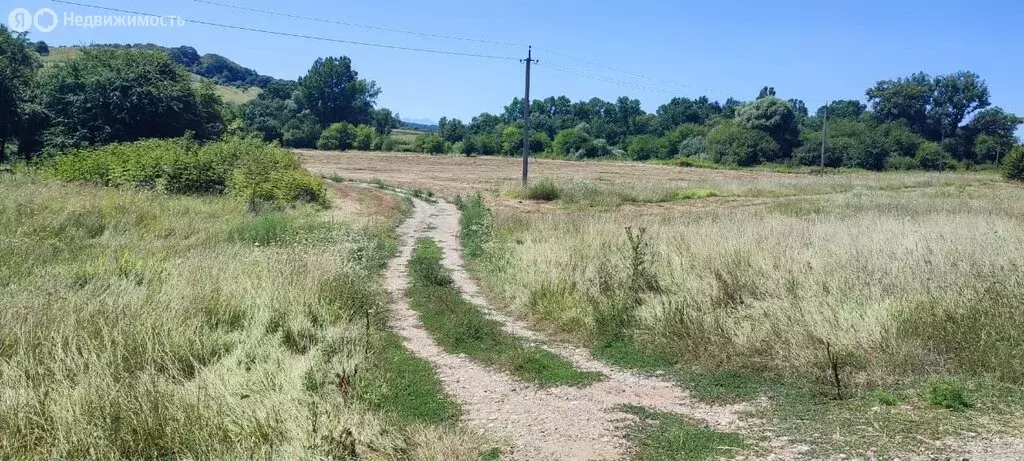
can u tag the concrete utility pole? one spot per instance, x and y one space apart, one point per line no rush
824 133
526 117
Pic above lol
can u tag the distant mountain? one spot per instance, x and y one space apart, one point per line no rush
420 124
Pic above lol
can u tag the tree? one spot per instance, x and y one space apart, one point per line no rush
364 135
1013 164
957 96
338 136
683 110
279 89
646 147
384 121
843 108
904 99
451 130
302 131
766 92
573 143
931 157
777 119
268 117
992 131
17 73
42 48
117 95
733 143
334 93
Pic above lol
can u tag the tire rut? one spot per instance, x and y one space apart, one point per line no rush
563 423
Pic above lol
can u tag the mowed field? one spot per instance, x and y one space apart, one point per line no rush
877 312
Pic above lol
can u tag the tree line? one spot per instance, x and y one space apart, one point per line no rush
113 94
919 121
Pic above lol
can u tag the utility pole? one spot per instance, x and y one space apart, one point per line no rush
824 134
526 117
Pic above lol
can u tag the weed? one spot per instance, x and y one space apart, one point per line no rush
948 394
884 397
544 190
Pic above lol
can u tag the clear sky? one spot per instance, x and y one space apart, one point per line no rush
813 50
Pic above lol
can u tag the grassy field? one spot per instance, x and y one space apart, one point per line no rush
906 286
145 325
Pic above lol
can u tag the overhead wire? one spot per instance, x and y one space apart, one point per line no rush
362 26
661 82
295 35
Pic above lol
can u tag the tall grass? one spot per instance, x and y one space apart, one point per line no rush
141 325
899 284
461 328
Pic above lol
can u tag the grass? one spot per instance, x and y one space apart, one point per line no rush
585 194
461 328
660 436
909 284
140 324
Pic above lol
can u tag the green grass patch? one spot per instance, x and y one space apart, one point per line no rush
403 386
475 225
947 393
461 328
669 436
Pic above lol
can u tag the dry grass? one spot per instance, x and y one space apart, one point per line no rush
881 275
449 176
139 325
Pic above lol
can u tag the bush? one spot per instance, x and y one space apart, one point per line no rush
573 143
430 144
338 136
387 143
646 147
544 189
247 168
1014 164
931 157
302 131
468 147
733 144
364 137
947 394
696 147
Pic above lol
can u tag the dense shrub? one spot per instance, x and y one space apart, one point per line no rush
338 136
931 157
364 137
430 144
247 168
731 143
1014 164
646 147
116 95
302 131
696 147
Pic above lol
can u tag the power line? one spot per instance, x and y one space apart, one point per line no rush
462 38
626 72
571 71
289 34
363 26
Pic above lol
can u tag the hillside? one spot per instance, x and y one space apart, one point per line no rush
234 83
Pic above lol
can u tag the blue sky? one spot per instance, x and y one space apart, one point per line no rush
812 50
